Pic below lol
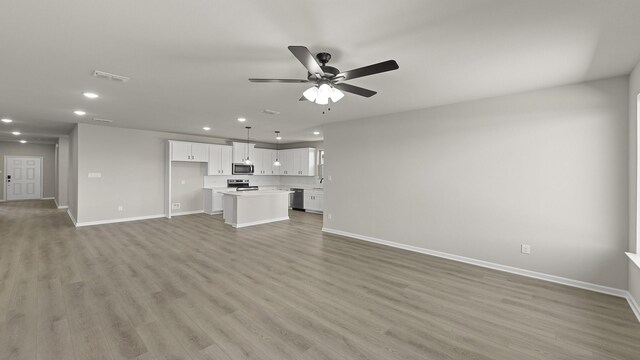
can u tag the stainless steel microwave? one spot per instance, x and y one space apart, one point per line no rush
242 169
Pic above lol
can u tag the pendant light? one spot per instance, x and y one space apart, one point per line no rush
247 161
277 162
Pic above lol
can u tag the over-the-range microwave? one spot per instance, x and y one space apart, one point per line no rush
242 169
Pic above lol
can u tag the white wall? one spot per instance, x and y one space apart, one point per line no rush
187 180
72 189
62 171
634 91
478 179
132 165
47 151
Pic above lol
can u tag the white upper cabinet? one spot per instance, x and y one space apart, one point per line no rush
219 160
275 170
263 162
180 151
258 163
298 162
240 150
199 152
287 161
187 151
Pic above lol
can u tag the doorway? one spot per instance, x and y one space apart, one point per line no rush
23 177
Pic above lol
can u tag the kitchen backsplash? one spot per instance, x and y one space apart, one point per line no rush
306 181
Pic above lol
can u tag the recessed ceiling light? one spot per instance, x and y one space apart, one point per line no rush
6 121
90 95
16 133
23 141
206 128
80 112
242 119
316 133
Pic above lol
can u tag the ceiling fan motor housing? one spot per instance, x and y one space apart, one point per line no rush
329 71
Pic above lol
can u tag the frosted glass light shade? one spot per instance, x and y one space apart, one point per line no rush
311 94
321 94
324 91
276 163
336 95
247 161
321 100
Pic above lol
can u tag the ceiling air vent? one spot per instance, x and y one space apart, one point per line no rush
106 75
103 120
271 112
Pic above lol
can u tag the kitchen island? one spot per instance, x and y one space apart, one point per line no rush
247 208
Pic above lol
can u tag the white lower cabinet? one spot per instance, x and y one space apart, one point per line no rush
213 201
313 200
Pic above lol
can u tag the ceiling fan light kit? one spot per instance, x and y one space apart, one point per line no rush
328 81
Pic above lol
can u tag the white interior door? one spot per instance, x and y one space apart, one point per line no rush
23 177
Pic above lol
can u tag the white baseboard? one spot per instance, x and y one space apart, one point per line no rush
257 222
490 265
47 198
58 206
187 212
75 223
634 305
111 221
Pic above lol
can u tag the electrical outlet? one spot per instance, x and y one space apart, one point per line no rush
183 182
175 206
525 249
329 216
120 208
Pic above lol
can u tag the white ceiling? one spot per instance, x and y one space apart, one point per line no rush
189 60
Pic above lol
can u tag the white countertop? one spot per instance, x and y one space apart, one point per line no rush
224 188
256 193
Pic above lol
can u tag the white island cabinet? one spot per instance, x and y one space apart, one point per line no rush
247 208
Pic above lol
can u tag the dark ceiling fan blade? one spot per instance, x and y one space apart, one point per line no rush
290 81
355 90
368 70
306 58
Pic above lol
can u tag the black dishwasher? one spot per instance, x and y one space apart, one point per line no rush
298 199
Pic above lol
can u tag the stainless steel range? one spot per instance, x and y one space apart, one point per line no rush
240 185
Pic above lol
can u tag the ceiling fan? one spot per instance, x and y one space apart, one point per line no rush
327 80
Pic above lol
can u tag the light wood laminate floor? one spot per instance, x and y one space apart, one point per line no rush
194 288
